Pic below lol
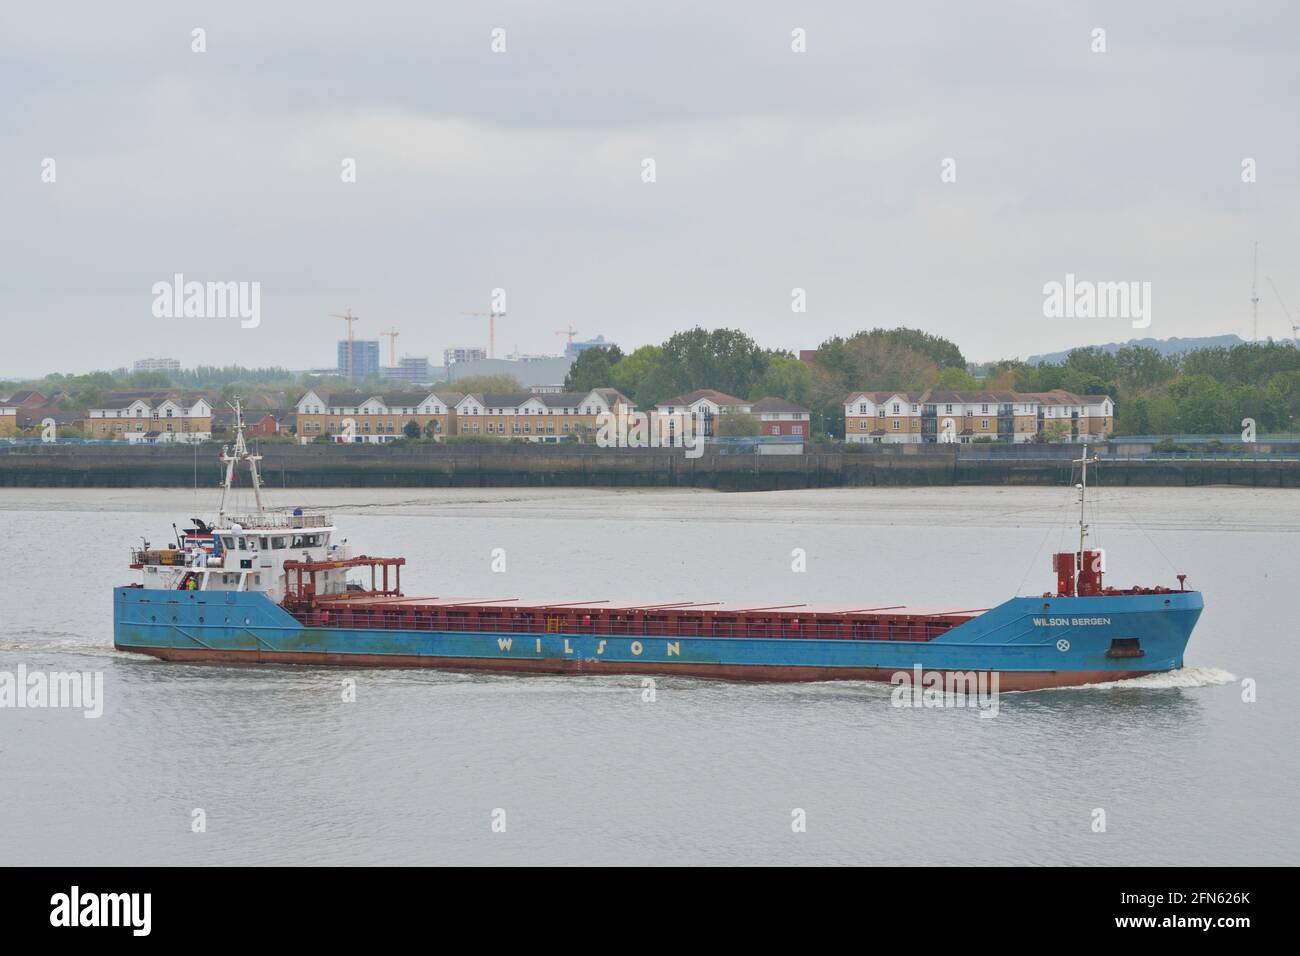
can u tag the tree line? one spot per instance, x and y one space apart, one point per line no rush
1206 391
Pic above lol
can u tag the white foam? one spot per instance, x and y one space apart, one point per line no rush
1182 677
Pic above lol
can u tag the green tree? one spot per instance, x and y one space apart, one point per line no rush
786 378
593 368
1093 362
1055 430
724 359
737 425
1138 368
411 429
957 380
633 369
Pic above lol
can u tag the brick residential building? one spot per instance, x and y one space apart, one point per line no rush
964 416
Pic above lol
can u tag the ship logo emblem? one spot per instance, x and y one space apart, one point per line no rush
1062 645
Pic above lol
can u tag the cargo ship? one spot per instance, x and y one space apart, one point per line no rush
279 587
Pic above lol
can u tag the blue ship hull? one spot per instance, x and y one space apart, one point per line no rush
1030 642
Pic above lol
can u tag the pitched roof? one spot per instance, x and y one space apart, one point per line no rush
151 397
877 397
1060 396
404 399
516 399
562 399
613 396
502 399
713 395
967 397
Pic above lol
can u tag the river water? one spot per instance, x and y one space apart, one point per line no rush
588 770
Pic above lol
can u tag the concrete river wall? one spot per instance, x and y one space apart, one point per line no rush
422 465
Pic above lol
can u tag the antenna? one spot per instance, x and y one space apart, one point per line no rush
1083 494
392 346
492 328
230 459
349 318
1254 293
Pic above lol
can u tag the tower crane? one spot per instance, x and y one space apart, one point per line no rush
1295 325
492 328
349 318
392 346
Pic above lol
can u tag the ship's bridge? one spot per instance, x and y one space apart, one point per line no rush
246 553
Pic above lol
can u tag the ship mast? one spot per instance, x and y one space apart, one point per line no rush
1083 528
230 459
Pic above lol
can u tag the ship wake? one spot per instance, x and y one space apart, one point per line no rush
1182 677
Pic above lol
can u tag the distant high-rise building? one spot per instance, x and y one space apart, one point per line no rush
574 349
157 365
365 357
463 353
410 368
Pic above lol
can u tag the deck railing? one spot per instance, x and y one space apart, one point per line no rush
889 629
269 521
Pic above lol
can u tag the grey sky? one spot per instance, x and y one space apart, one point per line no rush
522 170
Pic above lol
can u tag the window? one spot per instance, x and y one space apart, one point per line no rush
895 408
266 543
862 409
984 409
797 430
279 544
984 423
895 424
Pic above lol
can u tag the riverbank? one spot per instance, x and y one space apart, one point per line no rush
422 465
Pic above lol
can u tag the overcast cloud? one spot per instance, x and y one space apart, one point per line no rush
522 170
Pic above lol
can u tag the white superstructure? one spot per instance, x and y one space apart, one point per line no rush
245 552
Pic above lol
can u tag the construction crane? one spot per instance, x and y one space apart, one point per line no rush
570 332
392 346
492 328
1254 294
1295 325
349 318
